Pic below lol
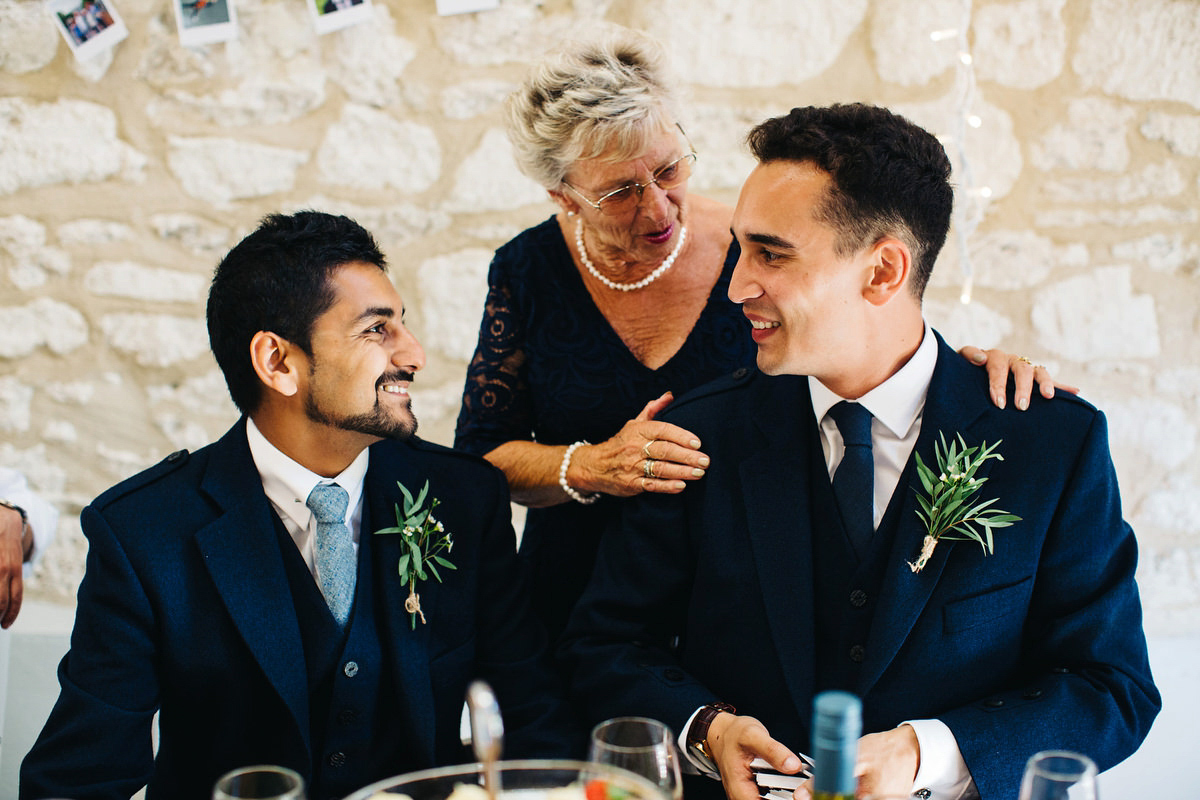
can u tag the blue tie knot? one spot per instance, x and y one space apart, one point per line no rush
328 503
854 423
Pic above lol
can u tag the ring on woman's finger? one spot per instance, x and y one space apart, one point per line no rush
646 447
648 468
1026 360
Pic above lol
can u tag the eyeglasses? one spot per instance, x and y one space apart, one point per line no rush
618 201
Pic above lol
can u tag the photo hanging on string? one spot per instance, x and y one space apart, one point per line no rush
333 15
203 22
89 26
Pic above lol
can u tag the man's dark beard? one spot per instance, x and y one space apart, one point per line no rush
376 422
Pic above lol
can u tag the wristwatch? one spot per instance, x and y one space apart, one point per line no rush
697 737
25 518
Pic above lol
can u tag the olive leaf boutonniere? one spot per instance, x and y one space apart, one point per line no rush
946 508
423 539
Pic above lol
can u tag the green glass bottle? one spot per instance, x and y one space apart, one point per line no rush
837 724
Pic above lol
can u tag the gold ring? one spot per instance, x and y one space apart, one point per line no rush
646 448
1026 360
648 468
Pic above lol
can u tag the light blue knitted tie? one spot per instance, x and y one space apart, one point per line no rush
336 561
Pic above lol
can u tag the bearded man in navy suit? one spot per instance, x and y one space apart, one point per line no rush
261 634
724 609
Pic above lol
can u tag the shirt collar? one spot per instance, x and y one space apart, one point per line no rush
288 483
898 401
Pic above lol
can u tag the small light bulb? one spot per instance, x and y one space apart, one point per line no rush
942 35
985 191
974 121
965 58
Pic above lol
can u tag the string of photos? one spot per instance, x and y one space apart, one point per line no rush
92 26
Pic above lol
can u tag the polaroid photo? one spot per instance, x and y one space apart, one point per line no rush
89 26
203 22
447 7
333 15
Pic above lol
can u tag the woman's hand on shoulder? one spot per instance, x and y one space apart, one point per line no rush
1000 364
644 456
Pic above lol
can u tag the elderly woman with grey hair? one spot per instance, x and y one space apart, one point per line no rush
598 316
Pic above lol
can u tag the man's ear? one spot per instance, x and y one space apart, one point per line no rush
891 264
276 361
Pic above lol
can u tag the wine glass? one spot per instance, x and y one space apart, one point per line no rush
642 746
1059 775
260 782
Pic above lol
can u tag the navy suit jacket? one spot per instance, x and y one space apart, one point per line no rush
185 608
1037 646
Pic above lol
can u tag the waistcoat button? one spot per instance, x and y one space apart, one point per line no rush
857 652
351 669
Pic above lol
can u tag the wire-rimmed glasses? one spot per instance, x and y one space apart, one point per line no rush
624 198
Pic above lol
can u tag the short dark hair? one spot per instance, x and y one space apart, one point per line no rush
278 279
889 176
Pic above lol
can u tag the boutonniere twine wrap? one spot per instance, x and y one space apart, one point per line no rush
423 539
947 507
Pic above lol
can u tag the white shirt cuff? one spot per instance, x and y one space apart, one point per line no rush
694 763
942 772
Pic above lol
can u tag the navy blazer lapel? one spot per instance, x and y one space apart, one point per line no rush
241 552
775 484
406 649
954 403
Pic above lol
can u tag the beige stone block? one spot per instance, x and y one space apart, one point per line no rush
156 340
1020 44
64 142
28 40
44 322
220 170
1141 49
1097 316
370 149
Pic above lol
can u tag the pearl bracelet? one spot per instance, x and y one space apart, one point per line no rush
587 499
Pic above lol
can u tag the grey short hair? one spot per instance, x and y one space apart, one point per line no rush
609 96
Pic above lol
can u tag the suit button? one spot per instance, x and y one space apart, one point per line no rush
857 652
740 373
922 794
351 669
1032 694
178 454
994 702
858 598
672 674
347 716
337 759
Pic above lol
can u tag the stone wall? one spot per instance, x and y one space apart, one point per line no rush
124 179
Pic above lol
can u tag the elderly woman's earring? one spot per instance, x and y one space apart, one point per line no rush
570 213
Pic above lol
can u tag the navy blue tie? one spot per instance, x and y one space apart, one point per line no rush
854 480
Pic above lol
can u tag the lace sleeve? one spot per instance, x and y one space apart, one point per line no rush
496 406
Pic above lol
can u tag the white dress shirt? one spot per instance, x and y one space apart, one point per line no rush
288 484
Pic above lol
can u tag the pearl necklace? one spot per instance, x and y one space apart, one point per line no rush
667 263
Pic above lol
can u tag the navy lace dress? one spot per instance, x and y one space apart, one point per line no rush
549 368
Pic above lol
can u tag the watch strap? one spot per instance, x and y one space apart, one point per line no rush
697 736
10 504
